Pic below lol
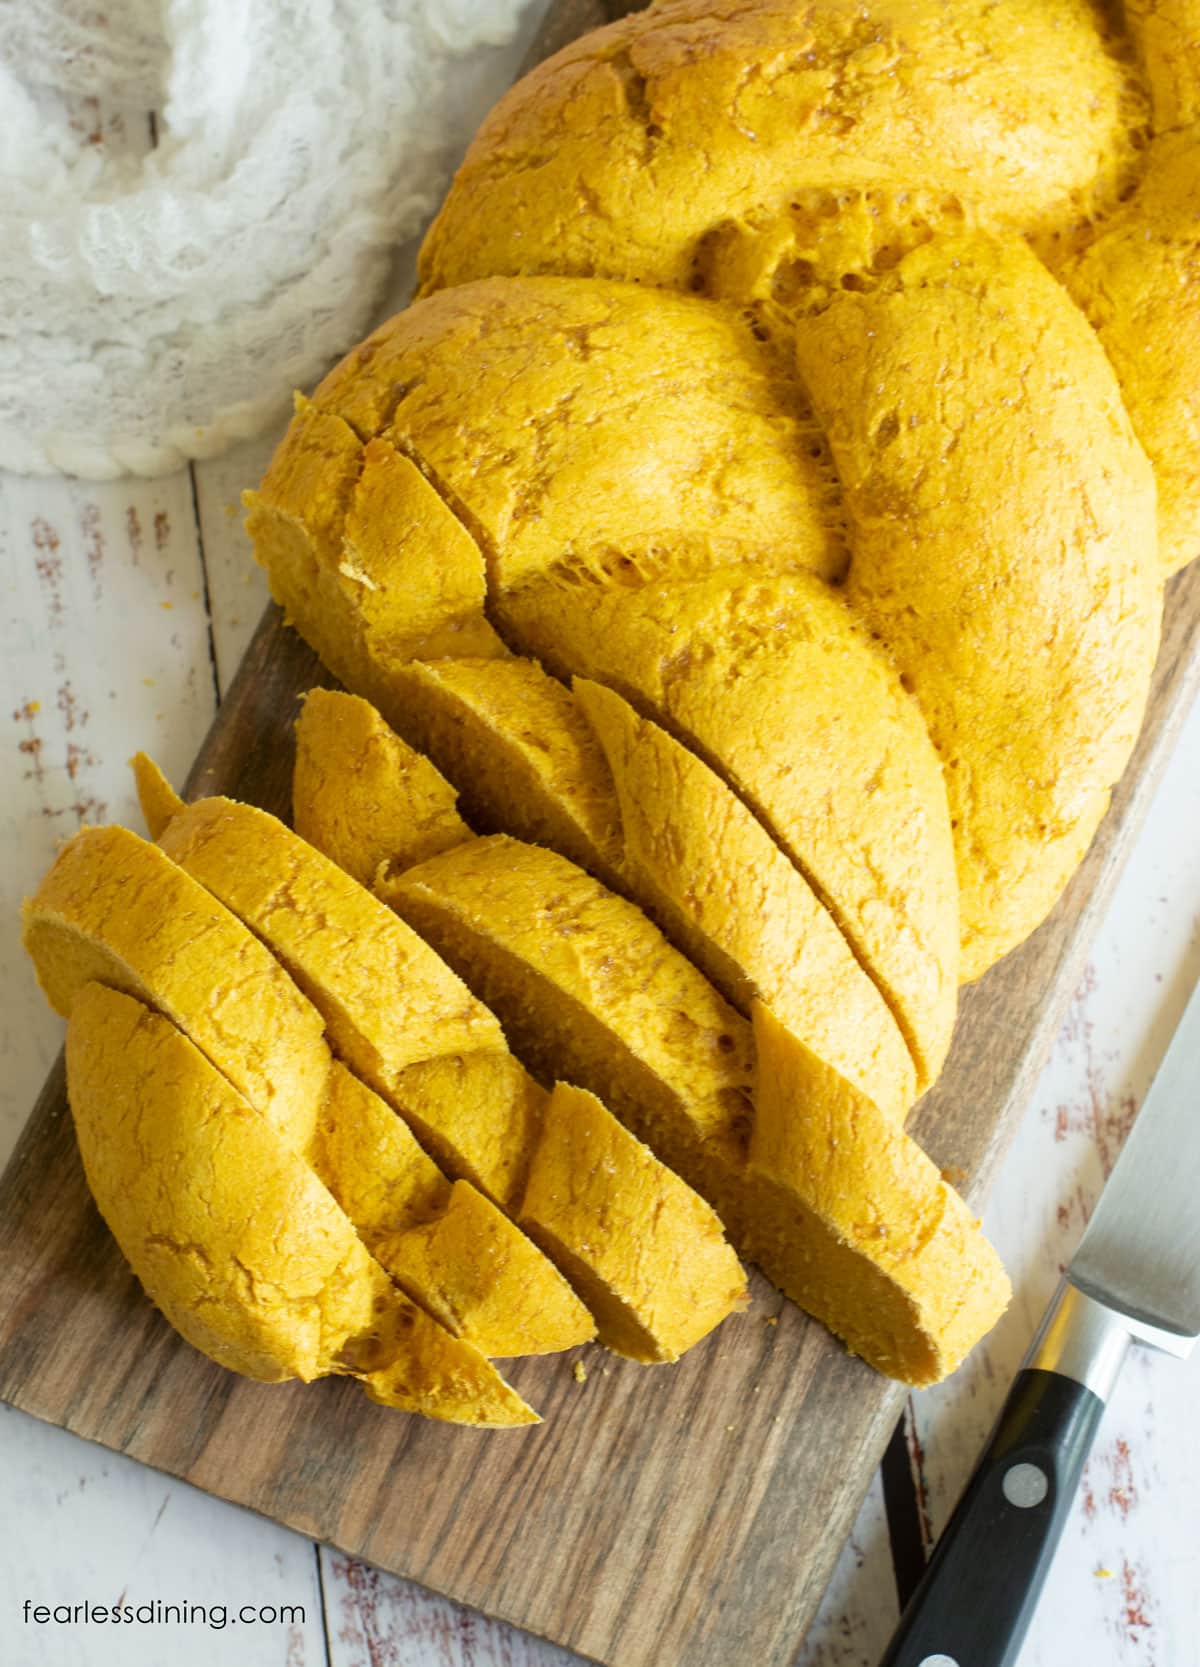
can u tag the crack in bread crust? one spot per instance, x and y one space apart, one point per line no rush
741 303
1034 109
234 1236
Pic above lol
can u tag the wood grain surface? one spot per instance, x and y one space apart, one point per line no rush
658 1516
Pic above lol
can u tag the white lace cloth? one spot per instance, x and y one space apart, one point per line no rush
158 303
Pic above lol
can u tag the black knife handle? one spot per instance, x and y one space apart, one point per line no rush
977 1597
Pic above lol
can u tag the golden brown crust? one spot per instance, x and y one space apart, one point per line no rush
362 554
558 374
775 683
708 871
618 155
443 1243
1139 284
1002 519
387 1000
115 910
234 1237
351 776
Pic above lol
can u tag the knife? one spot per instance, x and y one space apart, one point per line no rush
1135 1278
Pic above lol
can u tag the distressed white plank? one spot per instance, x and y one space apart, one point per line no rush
237 586
373 1618
101 1529
860 1609
104 648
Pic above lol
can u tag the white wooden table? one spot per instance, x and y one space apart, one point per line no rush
125 610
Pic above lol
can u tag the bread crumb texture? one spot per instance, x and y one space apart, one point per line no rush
394 1009
531 763
869 1238
193 930
233 1235
718 884
350 769
443 1242
620 153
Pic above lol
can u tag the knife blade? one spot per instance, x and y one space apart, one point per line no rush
1141 1252
1135 1278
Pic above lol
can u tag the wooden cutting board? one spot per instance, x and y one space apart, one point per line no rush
663 1517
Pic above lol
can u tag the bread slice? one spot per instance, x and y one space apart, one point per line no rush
646 1254
115 910
586 987
585 775
395 1011
526 762
235 1238
352 773
369 564
894 1260
1003 527
157 798
656 1224
635 1009
386 998
774 683
480 1115
707 870
443 1243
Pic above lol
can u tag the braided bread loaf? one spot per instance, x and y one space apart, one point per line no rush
803 374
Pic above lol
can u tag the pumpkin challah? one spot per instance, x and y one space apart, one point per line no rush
750 548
